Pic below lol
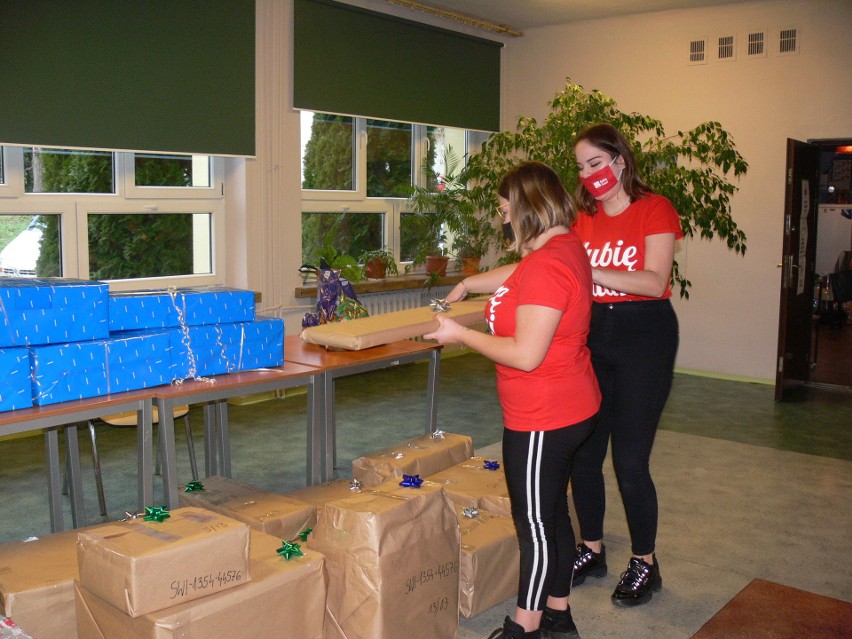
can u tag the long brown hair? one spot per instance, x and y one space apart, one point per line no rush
538 201
610 140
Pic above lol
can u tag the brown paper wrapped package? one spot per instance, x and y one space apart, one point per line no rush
285 598
142 566
357 334
424 456
392 558
277 515
37 584
490 561
471 484
320 494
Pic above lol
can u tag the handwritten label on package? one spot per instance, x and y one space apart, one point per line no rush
200 583
446 570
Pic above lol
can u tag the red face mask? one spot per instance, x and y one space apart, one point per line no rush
601 181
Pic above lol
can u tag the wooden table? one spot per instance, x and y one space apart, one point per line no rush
333 364
214 393
67 414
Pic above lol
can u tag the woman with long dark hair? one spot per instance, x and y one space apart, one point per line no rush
629 233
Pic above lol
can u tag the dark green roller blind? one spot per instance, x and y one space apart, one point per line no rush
146 75
357 62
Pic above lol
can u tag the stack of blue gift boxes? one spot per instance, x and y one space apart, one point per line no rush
64 339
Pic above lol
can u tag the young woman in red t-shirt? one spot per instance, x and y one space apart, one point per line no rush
539 321
629 233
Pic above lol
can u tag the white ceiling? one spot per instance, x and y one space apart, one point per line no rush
527 14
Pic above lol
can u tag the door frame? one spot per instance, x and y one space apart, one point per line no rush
783 386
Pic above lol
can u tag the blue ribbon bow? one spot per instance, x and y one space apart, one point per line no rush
411 481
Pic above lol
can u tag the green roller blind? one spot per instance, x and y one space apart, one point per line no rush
146 75
357 62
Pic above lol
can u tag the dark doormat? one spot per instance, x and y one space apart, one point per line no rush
766 610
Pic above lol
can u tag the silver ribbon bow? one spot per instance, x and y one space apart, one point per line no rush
440 305
128 516
438 434
354 485
471 512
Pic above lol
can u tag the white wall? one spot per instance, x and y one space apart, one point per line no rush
729 325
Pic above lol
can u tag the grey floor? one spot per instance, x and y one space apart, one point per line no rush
748 488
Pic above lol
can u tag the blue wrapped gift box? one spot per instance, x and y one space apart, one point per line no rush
227 348
199 351
52 310
197 306
79 370
16 389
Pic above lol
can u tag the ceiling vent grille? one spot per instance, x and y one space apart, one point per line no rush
788 41
726 48
698 51
756 46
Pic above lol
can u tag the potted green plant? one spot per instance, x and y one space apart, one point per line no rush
378 263
472 241
436 214
347 265
691 168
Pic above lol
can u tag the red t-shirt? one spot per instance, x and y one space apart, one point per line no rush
563 389
619 242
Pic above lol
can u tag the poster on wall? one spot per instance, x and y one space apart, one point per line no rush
803 236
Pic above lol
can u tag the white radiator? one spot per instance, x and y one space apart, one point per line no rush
378 303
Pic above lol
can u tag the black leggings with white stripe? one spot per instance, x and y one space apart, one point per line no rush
537 466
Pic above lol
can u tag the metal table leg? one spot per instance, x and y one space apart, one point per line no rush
223 439
315 466
75 479
210 438
432 391
166 450
54 479
145 455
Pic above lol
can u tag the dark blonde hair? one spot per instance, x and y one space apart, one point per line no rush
538 201
609 139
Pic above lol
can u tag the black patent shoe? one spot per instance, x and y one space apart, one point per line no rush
638 583
588 563
558 624
512 630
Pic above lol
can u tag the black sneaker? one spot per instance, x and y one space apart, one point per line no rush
638 583
558 624
588 563
512 630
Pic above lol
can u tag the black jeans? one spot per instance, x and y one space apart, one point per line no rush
633 347
537 466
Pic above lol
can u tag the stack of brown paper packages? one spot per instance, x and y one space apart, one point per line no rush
421 534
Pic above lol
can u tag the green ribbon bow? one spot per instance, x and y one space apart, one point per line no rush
193 486
156 513
304 534
289 550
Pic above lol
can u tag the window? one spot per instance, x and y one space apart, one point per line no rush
138 220
357 174
68 171
29 244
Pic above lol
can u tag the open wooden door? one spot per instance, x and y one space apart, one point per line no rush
795 323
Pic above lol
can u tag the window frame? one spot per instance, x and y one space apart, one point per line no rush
316 200
132 191
73 209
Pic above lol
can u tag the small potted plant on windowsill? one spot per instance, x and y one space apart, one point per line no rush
473 241
435 213
378 264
